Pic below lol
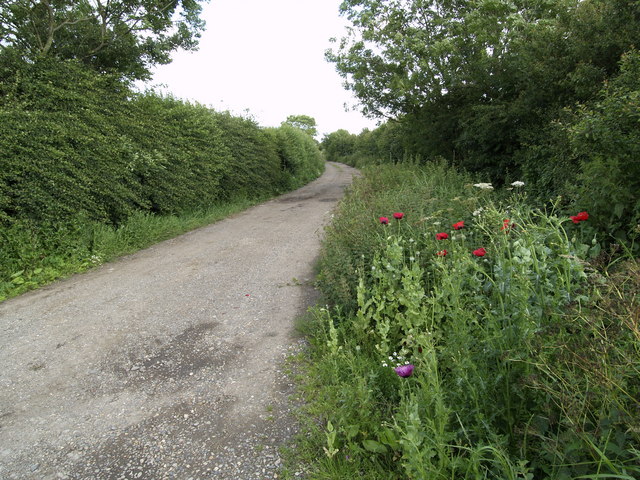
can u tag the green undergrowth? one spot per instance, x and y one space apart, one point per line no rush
524 338
46 253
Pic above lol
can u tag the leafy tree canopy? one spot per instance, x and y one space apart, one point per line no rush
400 54
304 122
123 36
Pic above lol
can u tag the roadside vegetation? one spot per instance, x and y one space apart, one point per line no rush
481 281
469 335
92 170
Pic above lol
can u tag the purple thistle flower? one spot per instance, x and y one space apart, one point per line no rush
404 370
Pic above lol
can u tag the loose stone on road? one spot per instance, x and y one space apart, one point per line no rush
166 364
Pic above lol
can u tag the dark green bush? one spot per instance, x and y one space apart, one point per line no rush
605 139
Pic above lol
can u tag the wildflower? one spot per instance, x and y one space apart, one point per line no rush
441 236
398 215
506 225
442 253
483 186
404 371
517 184
458 225
580 217
477 212
384 220
480 252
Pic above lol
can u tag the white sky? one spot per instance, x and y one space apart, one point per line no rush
266 56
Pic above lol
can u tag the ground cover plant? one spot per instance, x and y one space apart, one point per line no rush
469 335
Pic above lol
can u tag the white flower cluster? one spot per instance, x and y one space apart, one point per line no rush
478 211
398 359
483 186
518 184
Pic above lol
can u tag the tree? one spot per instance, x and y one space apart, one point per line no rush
123 36
304 122
338 145
401 54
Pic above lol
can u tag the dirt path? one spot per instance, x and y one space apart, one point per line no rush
165 364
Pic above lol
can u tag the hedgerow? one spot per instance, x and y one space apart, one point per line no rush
80 148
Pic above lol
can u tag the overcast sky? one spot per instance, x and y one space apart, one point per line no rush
266 56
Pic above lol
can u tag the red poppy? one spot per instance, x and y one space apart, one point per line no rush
480 252
580 217
505 224
398 215
441 236
384 220
442 253
458 225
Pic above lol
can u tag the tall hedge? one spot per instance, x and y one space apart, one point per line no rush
79 147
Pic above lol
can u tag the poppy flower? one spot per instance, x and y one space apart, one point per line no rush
458 225
580 217
442 253
384 220
441 236
398 215
480 252
404 371
506 224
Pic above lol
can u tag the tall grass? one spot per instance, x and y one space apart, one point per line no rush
525 358
44 253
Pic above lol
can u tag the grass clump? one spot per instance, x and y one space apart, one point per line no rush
525 357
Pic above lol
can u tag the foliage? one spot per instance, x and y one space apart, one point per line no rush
525 358
506 90
300 156
126 37
605 139
80 150
338 145
304 122
353 237
385 144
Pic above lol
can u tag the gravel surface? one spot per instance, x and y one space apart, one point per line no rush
166 364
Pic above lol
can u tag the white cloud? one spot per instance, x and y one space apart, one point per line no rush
266 57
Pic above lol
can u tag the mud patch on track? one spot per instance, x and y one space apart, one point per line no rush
155 365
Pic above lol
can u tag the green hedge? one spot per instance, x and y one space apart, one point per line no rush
78 147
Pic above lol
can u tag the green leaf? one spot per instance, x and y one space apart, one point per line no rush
373 446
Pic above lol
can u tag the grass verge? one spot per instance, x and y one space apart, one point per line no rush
42 254
518 359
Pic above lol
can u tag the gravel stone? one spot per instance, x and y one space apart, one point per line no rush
169 363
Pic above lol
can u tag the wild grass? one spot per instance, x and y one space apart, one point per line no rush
38 255
525 359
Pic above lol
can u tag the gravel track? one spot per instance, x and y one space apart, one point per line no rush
166 364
